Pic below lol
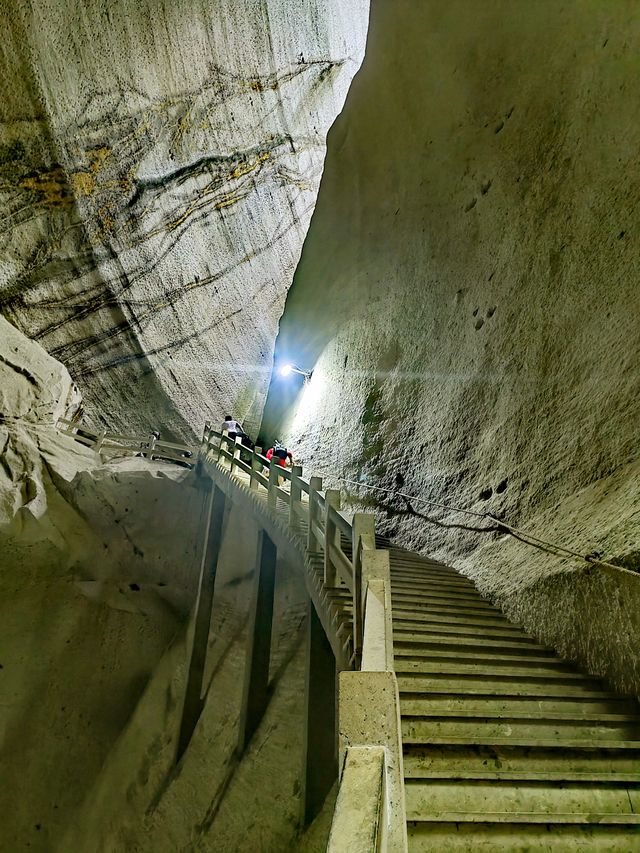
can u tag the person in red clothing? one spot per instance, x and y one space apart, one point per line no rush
281 454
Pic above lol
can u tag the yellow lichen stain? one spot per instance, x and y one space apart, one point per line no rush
52 187
245 168
288 179
97 156
227 201
83 183
257 85
84 180
106 225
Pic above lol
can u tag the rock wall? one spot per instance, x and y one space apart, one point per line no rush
99 566
91 594
159 164
468 298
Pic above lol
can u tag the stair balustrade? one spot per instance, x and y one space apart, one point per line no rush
370 810
503 743
105 443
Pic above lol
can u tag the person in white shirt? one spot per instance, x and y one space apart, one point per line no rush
232 426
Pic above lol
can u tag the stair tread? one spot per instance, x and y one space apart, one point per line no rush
528 776
400 576
625 818
408 665
413 648
426 605
412 601
444 627
488 713
424 589
451 617
416 684
470 642
556 742
417 703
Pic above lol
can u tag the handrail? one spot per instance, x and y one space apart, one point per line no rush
372 778
356 826
149 445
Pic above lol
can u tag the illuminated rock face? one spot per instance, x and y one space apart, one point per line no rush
468 297
158 169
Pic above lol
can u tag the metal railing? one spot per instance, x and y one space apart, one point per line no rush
370 744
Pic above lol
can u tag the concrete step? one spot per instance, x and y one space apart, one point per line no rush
411 557
486 729
427 570
504 762
414 645
521 801
404 651
547 715
520 644
418 575
455 617
426 704
522 837
500 685
411 577
425 607
443 627
424 590
415 602
489 673
422 644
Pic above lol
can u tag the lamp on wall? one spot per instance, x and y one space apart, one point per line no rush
287 369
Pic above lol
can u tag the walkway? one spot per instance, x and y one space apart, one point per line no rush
458 731
505 746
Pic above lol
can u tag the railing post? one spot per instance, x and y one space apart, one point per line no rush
331 535
272 499
315 486
225 434
376 582
205 437
359 693
358 824
295 494
100 440
236 452
255 467
363 532
150 446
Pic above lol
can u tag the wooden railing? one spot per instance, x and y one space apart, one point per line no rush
370 810
104 442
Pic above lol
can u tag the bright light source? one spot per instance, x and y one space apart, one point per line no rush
286 369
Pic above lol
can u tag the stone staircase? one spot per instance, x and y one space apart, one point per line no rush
506 746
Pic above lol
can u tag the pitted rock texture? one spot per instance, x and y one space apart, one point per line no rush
91 595
158 170
468 298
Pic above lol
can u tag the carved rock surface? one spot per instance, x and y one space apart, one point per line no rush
35 391
468 296
158 169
